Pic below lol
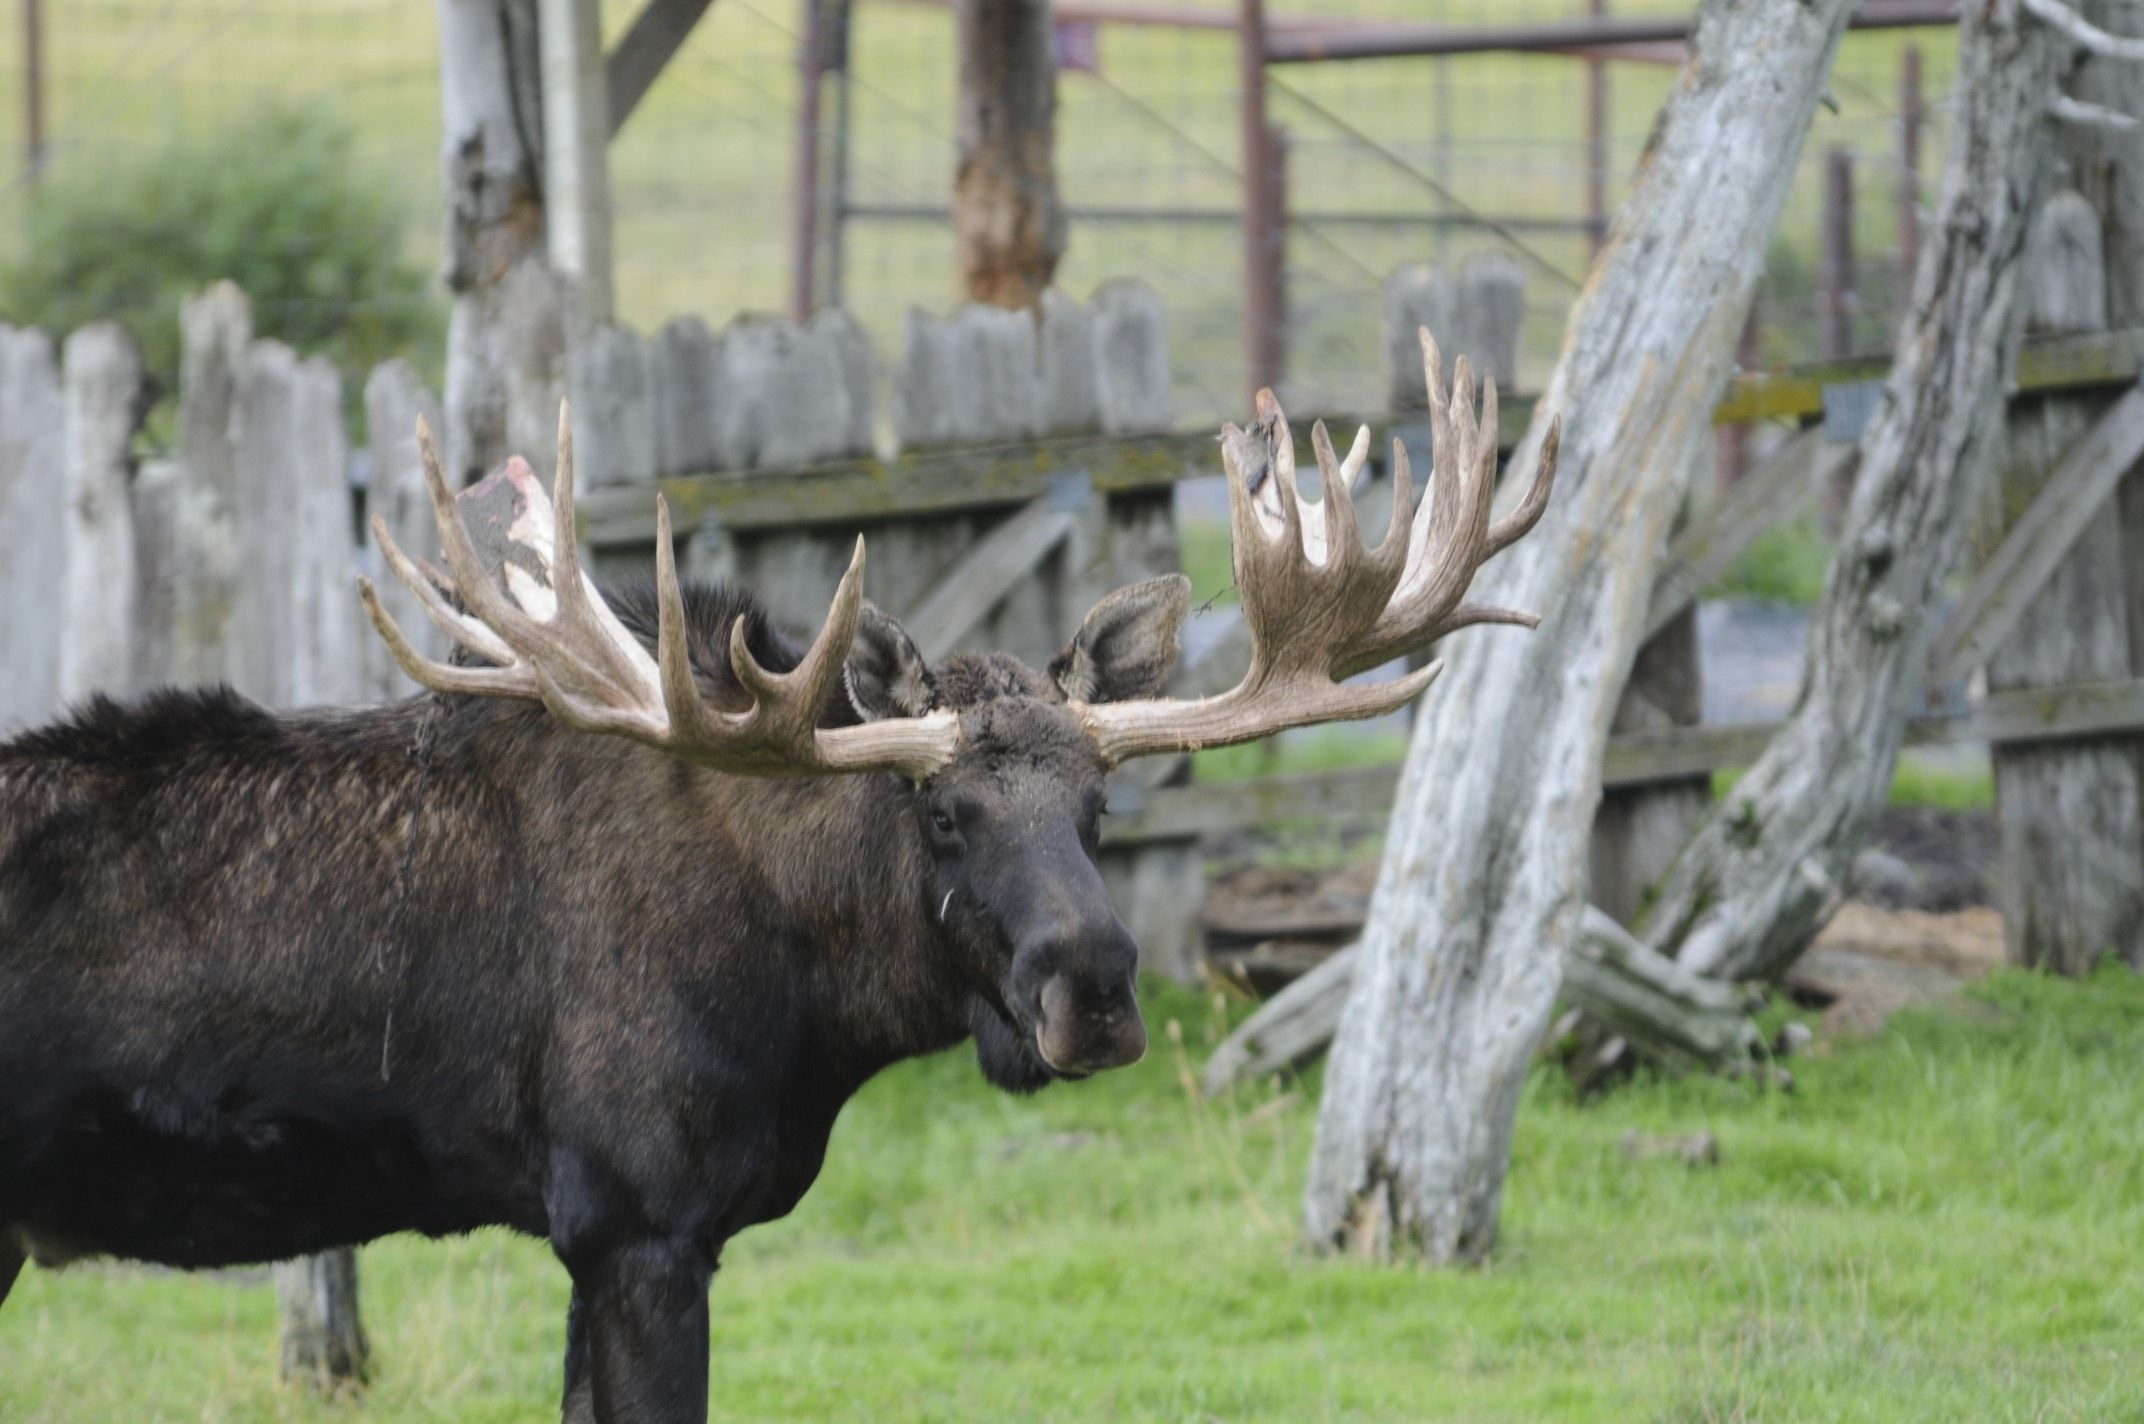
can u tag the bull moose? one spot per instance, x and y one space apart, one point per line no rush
273 983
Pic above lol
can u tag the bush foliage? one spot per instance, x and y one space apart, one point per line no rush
277 201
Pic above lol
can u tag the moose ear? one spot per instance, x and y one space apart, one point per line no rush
1127 647
885 674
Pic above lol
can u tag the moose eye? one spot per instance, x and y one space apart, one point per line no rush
941 823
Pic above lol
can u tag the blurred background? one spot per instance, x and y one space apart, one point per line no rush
151 146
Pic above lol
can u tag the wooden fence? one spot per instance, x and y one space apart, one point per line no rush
1034 470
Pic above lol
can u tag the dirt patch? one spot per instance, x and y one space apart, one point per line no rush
1871 962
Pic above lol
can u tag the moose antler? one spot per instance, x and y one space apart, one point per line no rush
552 639
1320 604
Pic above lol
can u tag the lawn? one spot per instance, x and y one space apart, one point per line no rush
1942 1223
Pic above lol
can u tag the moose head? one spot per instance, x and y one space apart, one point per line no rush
1004 764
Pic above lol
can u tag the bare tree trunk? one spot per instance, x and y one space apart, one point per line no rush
1755 884
1482 886
1006 216
506 342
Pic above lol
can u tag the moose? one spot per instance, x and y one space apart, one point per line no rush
593 938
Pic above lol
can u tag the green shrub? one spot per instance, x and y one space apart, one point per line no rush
276 200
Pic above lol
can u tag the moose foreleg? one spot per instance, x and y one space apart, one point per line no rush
644 1325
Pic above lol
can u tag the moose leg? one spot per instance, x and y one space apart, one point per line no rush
10 1263
646 1332
580 1401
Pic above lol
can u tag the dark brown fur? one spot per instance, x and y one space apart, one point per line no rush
271 984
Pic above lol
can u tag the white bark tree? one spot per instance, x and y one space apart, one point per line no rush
506 340
1482 885
1753 887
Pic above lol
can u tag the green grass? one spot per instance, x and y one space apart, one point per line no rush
1942 1223
1785 564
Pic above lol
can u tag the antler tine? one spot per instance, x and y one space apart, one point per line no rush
424 587
594 675
1514 526
1316 621
1343 532
1357 461
792 700
681 692
428 673
499 613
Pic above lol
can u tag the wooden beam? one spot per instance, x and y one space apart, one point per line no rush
2100 358
1363 793
914 483
855 493
1006 555
2075 494
1706 550
658 32
576 150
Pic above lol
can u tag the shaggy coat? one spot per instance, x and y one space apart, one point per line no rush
271 984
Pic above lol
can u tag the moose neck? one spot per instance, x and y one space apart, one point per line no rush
809 892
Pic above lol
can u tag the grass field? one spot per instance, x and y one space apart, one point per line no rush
1942 1223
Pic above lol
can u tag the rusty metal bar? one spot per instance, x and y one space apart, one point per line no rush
1909 172
1395 41
33 91
1597 142
1836 260
1262 312
804 182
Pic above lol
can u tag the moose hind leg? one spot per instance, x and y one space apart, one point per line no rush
580 1401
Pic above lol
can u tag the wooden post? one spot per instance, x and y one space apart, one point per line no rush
2070 813
1909 175
576 150
102 374
32 451
2108 165
1637 830
324 1342
1008 220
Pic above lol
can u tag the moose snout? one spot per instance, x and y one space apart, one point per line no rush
1082 1027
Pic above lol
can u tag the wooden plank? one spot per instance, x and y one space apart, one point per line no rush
1702 553
1202 808
658 32
2075 494
1005 556
2100 358
1361 793
852 493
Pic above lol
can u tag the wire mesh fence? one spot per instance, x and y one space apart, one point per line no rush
1387 161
